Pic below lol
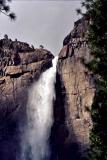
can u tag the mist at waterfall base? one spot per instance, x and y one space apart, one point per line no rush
35 140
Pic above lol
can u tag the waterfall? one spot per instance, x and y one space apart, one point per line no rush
35 141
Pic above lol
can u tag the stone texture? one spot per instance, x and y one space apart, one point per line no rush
79 30
74 96
20 66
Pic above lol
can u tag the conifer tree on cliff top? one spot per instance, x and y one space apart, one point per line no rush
97 37
5 9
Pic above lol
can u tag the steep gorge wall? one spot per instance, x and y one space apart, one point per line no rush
74 96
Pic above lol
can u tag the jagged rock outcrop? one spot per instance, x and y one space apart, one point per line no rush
74 96
20 66
79 30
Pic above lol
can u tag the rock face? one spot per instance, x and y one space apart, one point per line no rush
74 95
20 66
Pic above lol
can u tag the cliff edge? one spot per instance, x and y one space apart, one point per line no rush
20 66
74 96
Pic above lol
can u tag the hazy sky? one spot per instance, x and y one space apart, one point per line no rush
41 22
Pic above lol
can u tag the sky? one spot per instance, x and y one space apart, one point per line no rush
41 22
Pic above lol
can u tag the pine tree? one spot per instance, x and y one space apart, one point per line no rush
97 38
5 9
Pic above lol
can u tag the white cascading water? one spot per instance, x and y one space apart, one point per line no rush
40 116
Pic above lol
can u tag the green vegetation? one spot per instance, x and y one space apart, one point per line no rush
97 38
5 9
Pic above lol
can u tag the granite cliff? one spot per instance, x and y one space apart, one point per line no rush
20 66
74 96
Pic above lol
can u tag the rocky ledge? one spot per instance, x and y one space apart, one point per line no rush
20 66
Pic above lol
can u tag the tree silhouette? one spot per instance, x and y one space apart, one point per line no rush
5 9
97 41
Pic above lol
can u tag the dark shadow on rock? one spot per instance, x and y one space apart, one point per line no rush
64 145
12 115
